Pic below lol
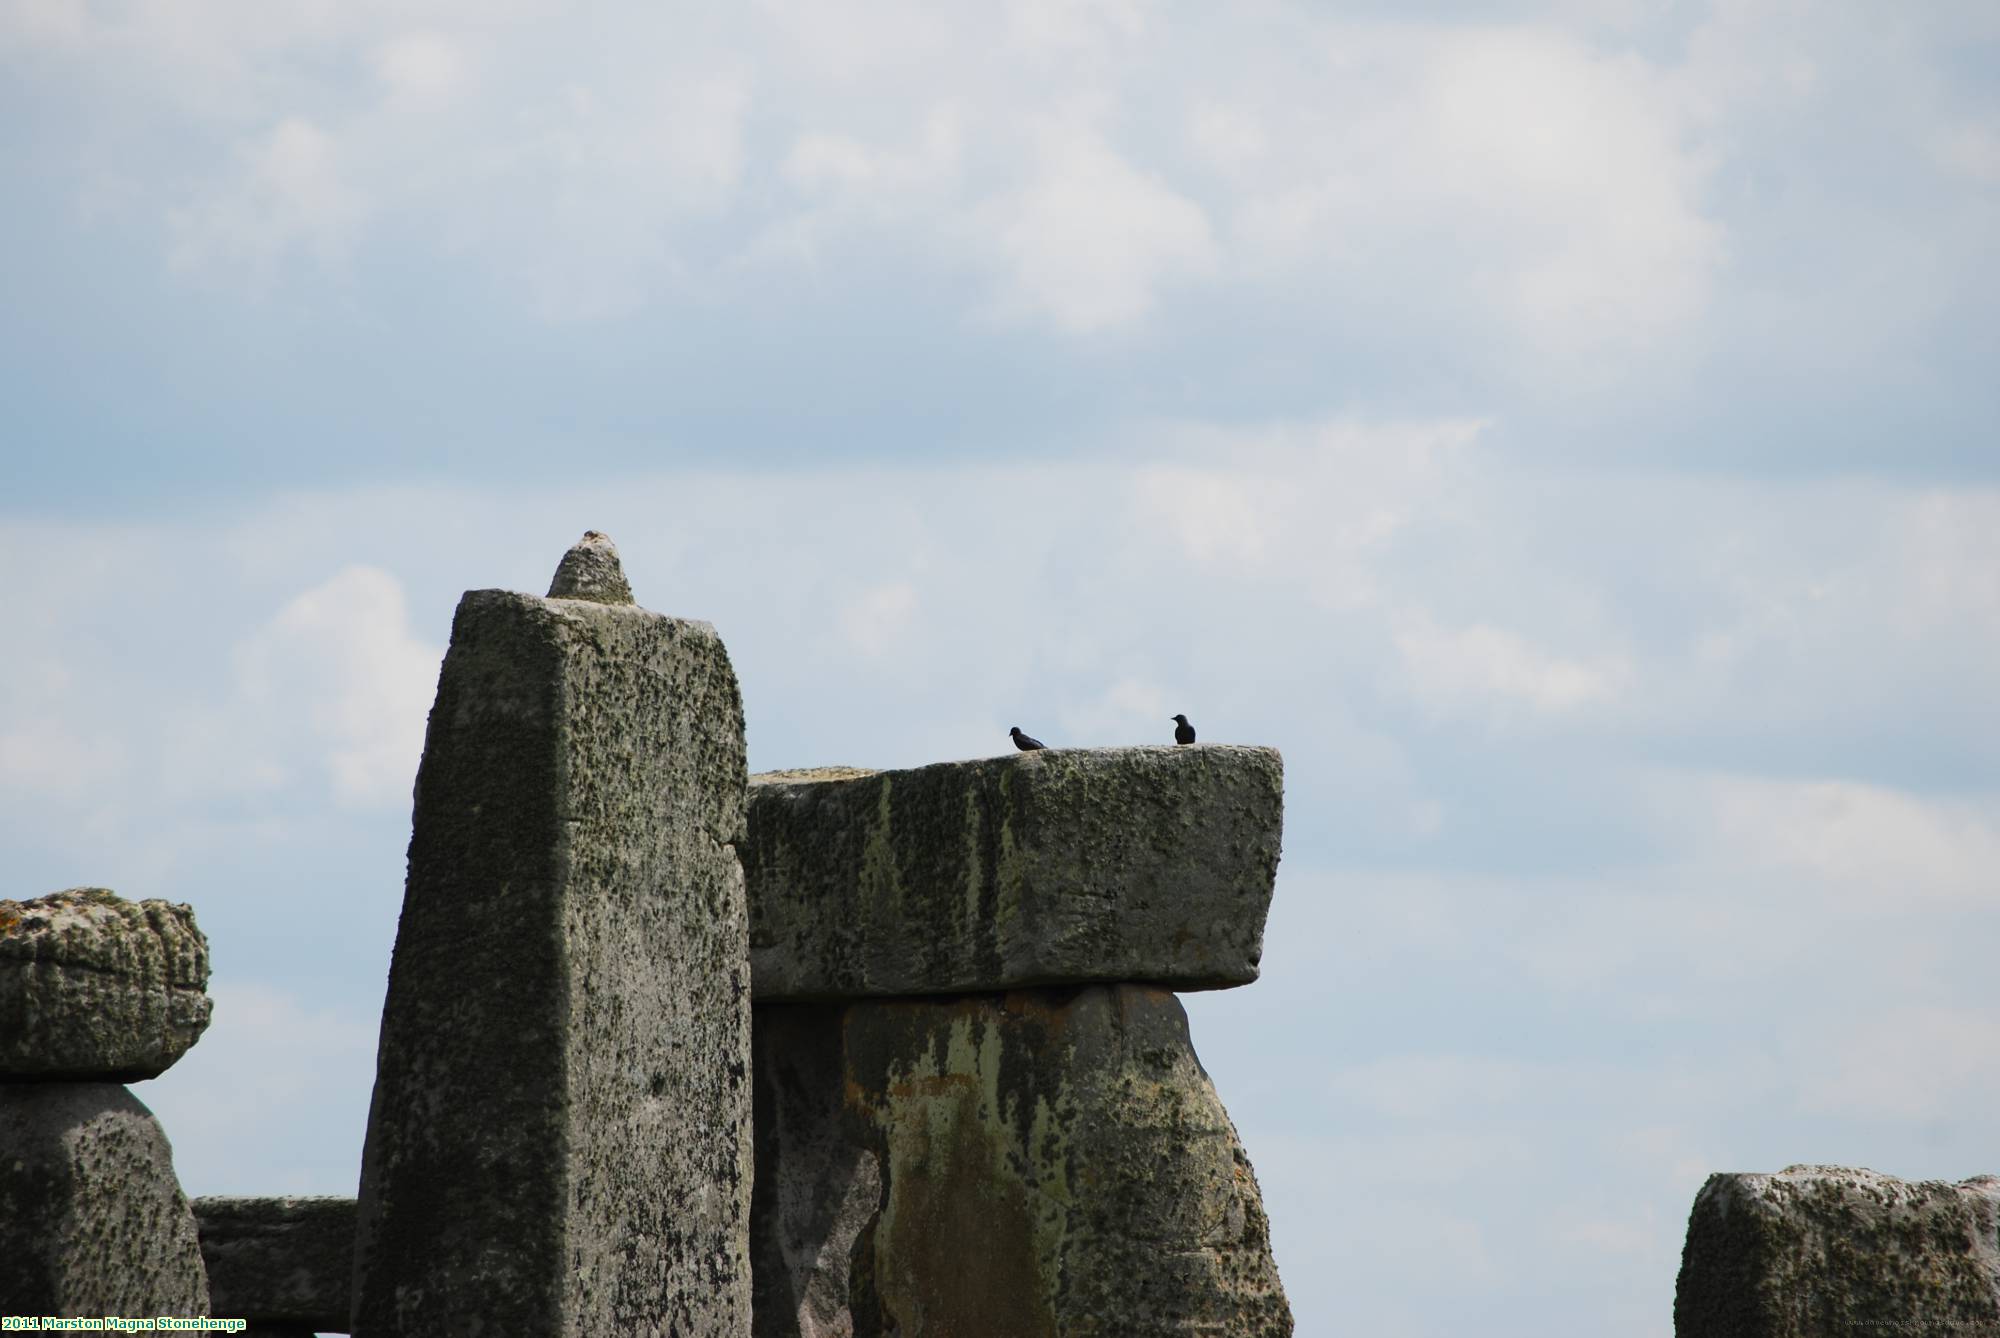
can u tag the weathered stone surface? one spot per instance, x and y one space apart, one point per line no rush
279 1261
1048 1162
591 570
559 1141
95 988
92 1219
1820 1250
1062 866
819 1177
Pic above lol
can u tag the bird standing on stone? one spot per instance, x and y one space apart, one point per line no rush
1183 732
1023 742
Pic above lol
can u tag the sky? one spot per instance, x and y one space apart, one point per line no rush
1566 430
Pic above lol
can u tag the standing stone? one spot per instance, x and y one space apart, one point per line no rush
1820 1250
1048 1162
92 1218
559 1141
96 988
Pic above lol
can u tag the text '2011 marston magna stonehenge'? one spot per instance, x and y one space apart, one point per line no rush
559 1142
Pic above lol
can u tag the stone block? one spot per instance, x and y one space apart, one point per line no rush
1043 1162
92 1218
1063 866
1828 1250
818 1185
95 988
559 1141
279 1261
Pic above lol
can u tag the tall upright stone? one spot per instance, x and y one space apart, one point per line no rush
559 1141
1820 1250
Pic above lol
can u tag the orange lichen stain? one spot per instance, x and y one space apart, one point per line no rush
943 1084
947 1206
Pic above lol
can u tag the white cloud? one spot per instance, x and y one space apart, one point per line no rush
1131 708
1863 847
1905 1063
1533 196
1611 1236
825 161
1579 160
296 1080
1970 149
1673 1146
1511 181
341 656
292 189
1313 504
43 757
878 621
1427 1087
1214 514
42 24
1076 25
422 69
1228 137
1092 239
1475 669
48 747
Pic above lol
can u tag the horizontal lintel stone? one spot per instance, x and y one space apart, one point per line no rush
95 988
1063 866
280 1259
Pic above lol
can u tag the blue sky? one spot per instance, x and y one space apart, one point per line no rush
1566 430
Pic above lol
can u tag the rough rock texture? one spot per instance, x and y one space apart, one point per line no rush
279 1261
95 988
1828 1250
1048 1162
92 1219
591 570
559 1141
1063 866
819 1177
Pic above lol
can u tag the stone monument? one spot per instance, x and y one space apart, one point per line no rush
559 1142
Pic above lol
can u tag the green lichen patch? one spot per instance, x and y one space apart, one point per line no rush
1057 867
1063 1147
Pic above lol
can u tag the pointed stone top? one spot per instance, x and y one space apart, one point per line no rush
591 570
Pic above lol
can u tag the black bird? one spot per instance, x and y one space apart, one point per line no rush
1023 742
1183 732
